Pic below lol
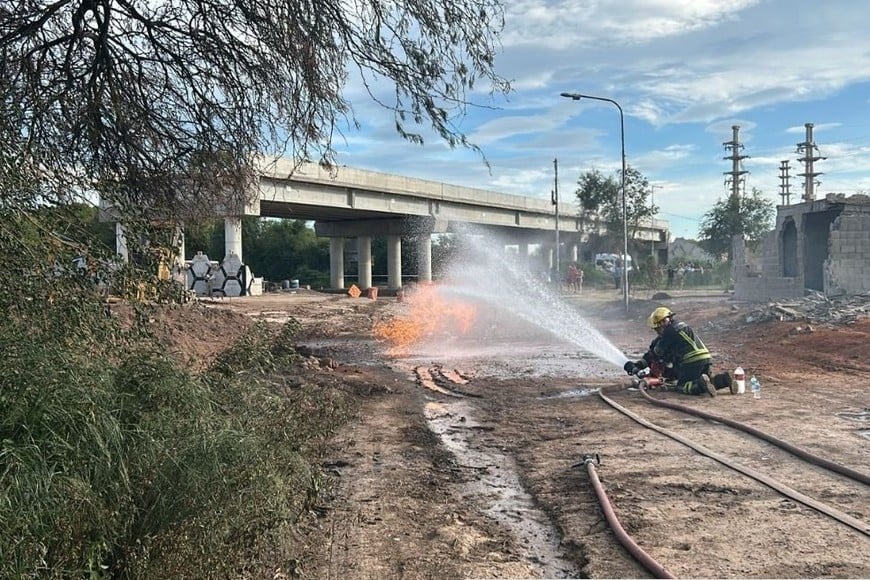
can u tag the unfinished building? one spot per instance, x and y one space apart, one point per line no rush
821 245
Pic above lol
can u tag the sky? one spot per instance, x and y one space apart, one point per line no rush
684 72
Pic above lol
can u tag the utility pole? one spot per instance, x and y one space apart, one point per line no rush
554 197
809 175
784 187
736 173
652 219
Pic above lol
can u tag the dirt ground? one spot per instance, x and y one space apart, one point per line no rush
466 458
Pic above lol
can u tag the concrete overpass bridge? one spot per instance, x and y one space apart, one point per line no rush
347 203
359 204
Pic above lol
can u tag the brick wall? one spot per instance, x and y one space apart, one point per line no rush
847 269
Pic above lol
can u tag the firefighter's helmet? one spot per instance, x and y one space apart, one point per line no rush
658 316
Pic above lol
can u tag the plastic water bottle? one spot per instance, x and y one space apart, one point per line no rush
740 379
756 387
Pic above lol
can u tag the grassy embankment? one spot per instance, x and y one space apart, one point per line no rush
117 462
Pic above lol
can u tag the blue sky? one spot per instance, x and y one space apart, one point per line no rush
684 72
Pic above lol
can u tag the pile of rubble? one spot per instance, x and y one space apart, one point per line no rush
814 308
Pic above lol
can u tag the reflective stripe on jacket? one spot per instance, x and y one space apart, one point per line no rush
698 352
679 343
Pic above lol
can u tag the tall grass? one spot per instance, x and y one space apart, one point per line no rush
116 462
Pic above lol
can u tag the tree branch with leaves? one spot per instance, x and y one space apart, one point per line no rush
165 105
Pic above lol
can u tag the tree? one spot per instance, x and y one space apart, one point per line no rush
286 249
600 200
163 107
749 215
445 248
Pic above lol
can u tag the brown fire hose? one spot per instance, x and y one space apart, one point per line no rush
797 451
831 512
627 542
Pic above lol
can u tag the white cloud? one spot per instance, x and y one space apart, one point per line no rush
816 128
568 23
684 72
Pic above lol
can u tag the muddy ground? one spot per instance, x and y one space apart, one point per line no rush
465 460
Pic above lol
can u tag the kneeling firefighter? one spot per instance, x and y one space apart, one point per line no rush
681 355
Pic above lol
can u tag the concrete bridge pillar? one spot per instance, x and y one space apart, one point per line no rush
424 258
394 262
364 255
393 230
574 254
336 263
178 242
121 242
523 254
233 236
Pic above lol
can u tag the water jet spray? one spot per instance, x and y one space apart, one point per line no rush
482 271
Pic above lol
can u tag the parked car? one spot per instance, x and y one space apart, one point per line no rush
607 262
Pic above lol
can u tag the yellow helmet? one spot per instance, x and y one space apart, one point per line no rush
657 317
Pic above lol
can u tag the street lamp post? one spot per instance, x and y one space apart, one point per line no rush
577 97
555 200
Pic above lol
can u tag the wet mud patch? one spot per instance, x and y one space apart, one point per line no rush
496 487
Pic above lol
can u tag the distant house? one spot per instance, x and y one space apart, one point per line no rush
683 250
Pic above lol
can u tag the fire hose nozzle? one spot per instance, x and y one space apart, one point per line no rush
587 459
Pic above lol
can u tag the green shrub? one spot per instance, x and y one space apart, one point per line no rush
115 461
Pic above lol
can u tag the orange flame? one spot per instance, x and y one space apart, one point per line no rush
428 314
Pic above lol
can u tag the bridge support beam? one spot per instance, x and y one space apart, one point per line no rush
336 263
233 236
523 253
394 262
121 242
178 242
364 263
424 258
394 229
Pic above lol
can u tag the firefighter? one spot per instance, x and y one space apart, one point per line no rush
677 344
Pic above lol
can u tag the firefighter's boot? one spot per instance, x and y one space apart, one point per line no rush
724 381
705 383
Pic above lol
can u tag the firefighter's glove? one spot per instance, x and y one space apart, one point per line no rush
630 367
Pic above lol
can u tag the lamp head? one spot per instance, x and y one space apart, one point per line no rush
573 96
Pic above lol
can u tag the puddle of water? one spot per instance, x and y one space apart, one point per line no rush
573 394
499 490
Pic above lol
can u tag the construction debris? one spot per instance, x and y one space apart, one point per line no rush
814 308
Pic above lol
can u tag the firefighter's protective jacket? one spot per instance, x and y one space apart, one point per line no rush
678 344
